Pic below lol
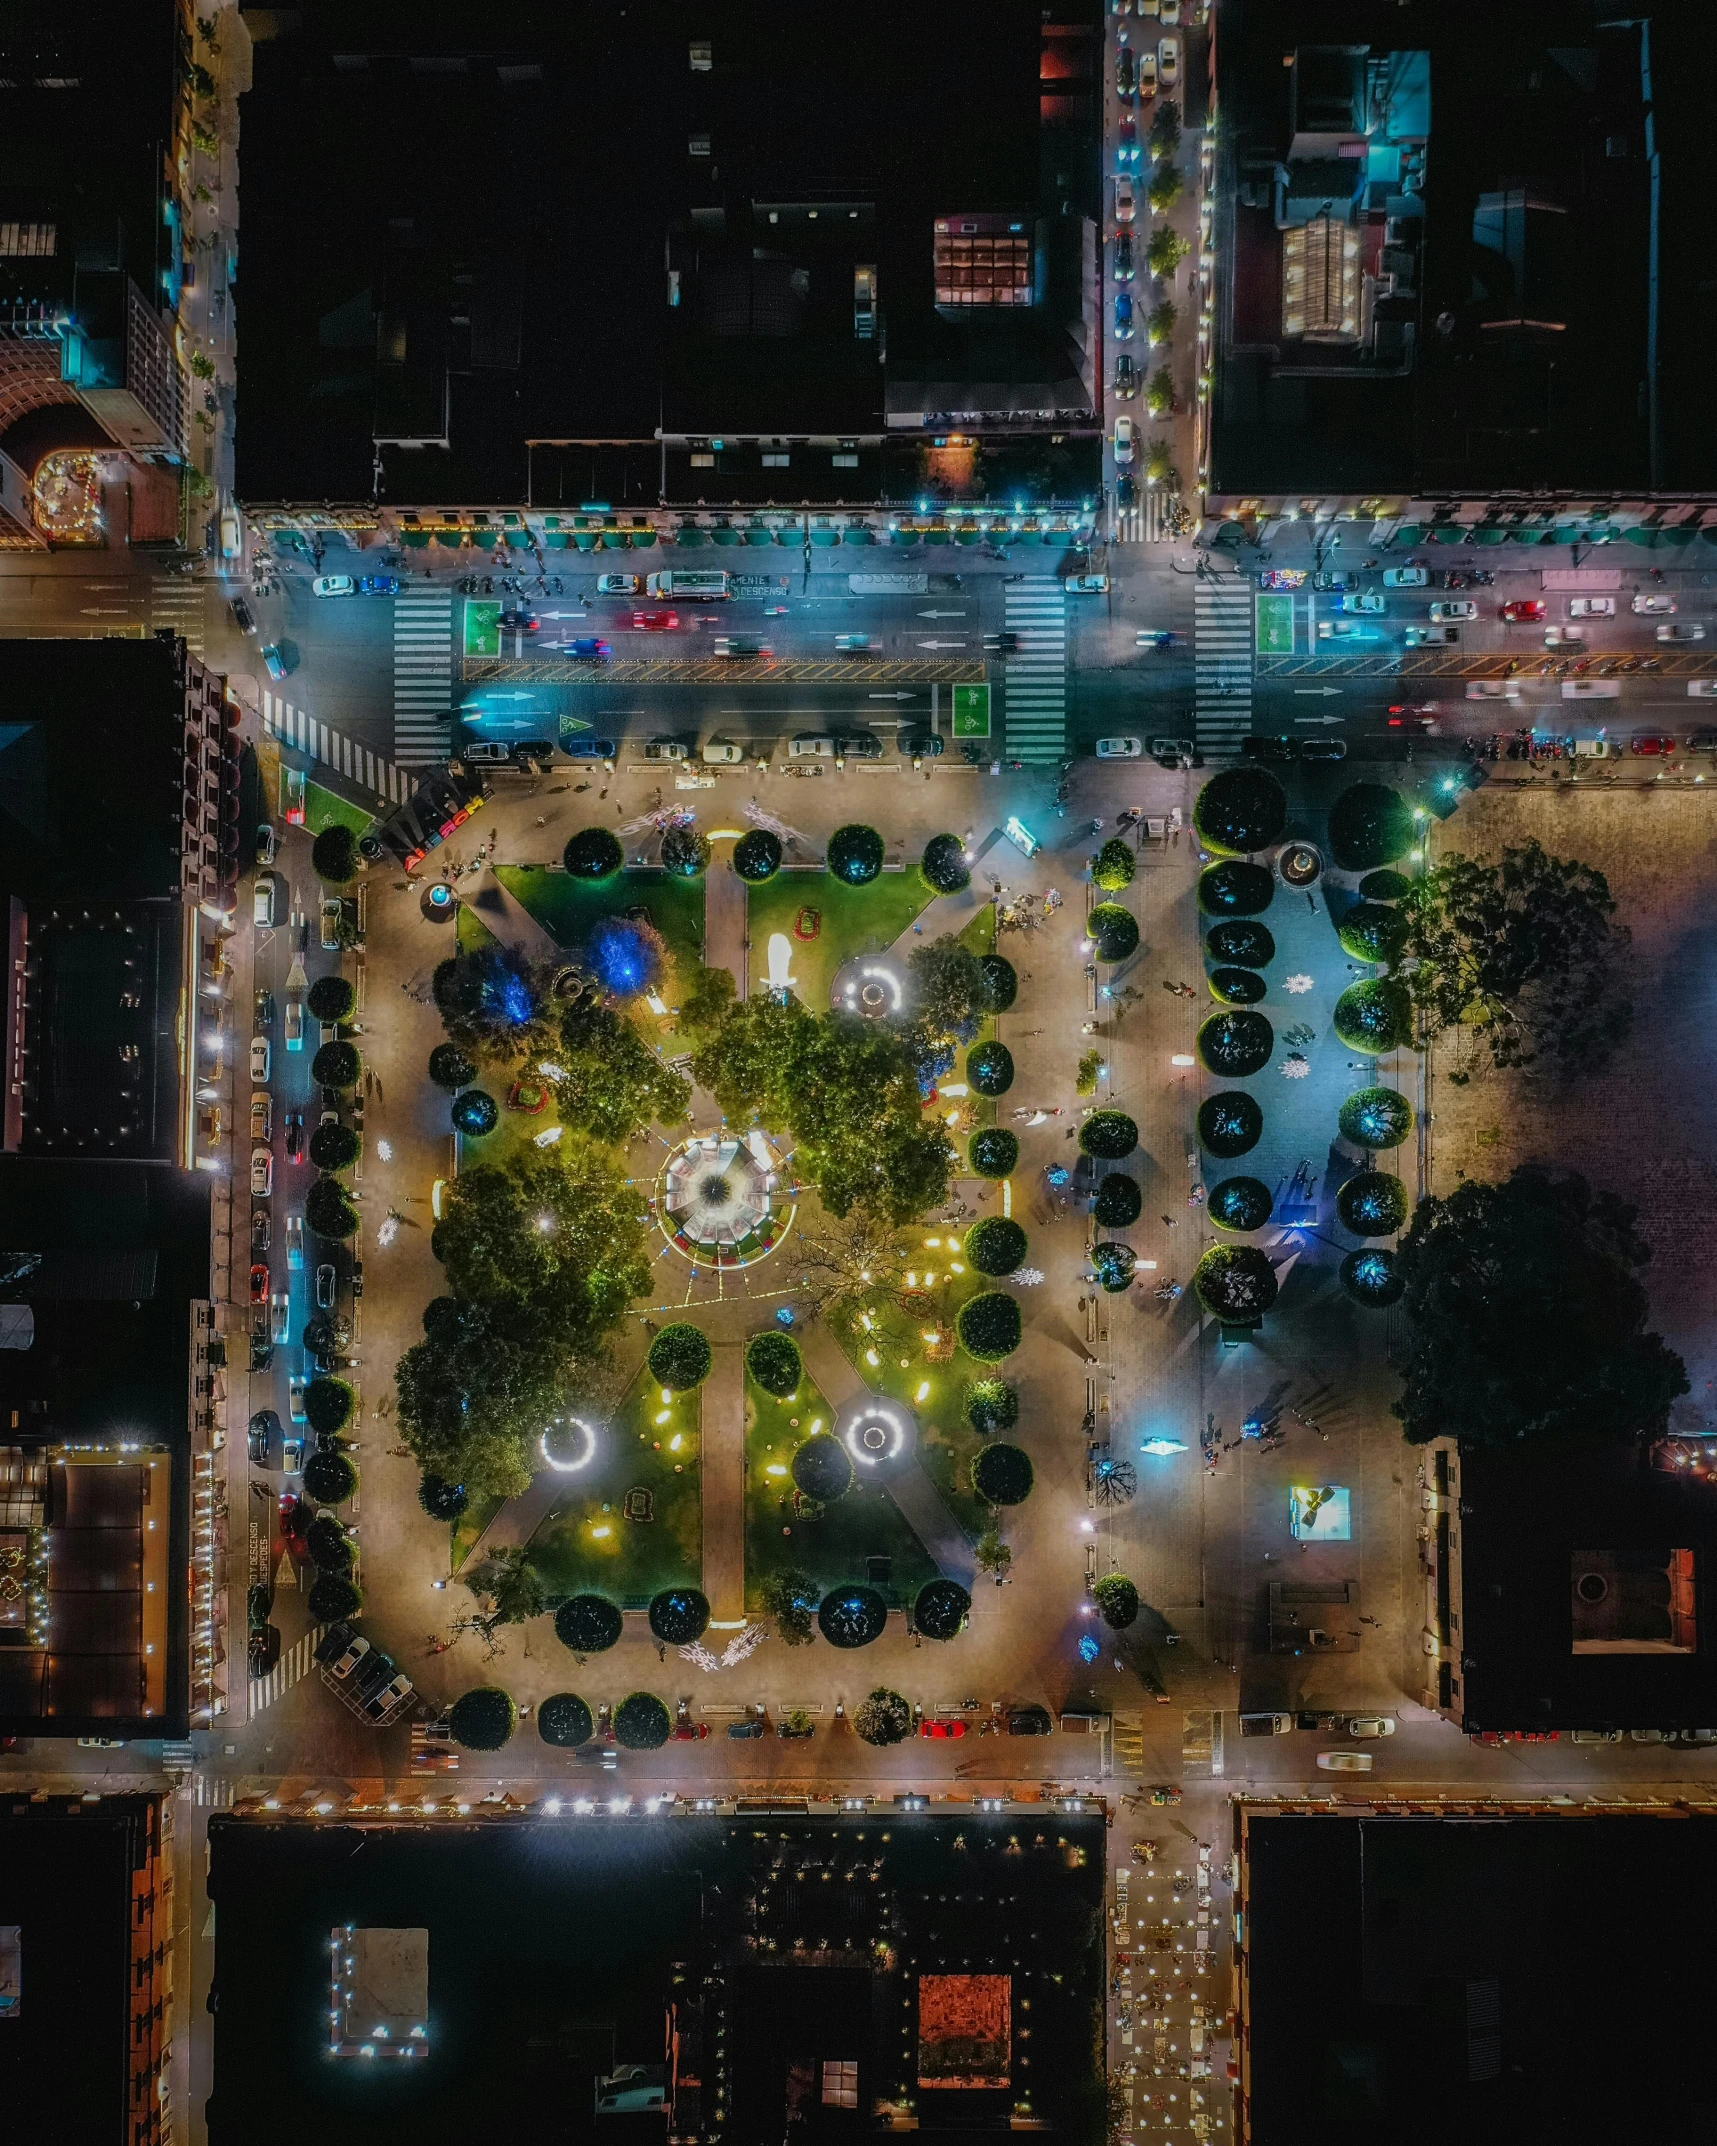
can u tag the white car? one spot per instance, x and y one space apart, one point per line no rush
1363 1725
722 752
1124 436
1147 74
262 902
1405 577
295 1243
811 745
1458 608
1087 585
1654 606
261 1173
485 749
1367 600
1168 14
1591 607
333 585
279 1316
261 1058
1126 205
1681 633
295 1399
1493 689
1702 689
1431 636
1168 62
1120 748
1345 1761
664 749
349 1661
619 585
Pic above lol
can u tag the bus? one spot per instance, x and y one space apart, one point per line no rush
689 587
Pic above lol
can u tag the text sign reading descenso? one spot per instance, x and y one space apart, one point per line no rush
971 711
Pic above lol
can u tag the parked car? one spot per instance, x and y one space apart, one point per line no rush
1124 438
577 748
1317 1721
741 1731
1362 1725
1682 631
1266 1724
279 1316
242 615
619 585
273 662
1278 748
1523 611
1123 256
326 1283
262 902
1654 606
540 750
378 584
810 745
1126 376
669 749
1651 743
860 745
1461 607
942 1731
1123 317
1591 607
259 1233
259 1283
349 1657
722 752
261 1173
1127 143
1120 748
329 916
1404 577
333 585
1168 61
484 752
1126 73
264 1428
589 647
295 1400
918 745
1345 1761
655 621
380 1704
294 1024
1324 748
1029 1721
1126 200
1702 740
262 1117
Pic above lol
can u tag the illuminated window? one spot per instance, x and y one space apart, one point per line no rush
840 2083
26 241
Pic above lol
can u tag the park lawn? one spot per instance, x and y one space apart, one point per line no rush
855 920
568 907
635 1559
470 1524
866 1523
473 935
323 809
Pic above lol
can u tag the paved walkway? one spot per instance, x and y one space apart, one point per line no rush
723 1399
948 912
724 923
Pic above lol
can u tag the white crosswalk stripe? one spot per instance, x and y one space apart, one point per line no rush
292 1665
1222 663
1035 676
1146 522
294 727
422 676
176 606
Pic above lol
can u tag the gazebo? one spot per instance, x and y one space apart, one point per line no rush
722 1201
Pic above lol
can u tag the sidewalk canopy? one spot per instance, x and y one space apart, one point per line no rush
642 539
519 539
825 536
691 534
727 536
416 538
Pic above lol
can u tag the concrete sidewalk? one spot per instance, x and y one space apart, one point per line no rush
723 1402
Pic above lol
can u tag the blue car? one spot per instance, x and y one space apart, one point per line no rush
1123 316
587 645
577 748
378 585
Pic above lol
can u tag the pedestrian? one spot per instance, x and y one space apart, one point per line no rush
1169 1222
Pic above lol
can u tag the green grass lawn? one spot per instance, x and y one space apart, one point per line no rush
865 1523
323 809
470 1524
587 1540
568 908
855 920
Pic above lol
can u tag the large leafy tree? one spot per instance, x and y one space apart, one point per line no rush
495 1005
1528 1318
1524 951
945 988
510 1587
851 1260
612 1084
748 1062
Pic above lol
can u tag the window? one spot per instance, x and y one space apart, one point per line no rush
781 461
840 2083
26 241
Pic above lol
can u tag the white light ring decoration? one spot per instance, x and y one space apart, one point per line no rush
879 1415
569 1423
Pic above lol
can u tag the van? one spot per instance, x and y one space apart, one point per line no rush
1590 748
706 587
1266 1724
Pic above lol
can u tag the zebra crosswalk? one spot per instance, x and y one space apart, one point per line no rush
292 725
177 606
1222 663
422 675
1034 677
292 1665
1147 521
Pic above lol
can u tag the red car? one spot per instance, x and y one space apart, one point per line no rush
1526 611
655 621
948 1729
259 1285
1647 742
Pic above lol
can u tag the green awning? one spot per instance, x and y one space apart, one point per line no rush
727 536
825 537
1408 533
511 521
615 540
416 538
586 539
1448 533
556 539
551 521
484 539
519 539
935 536
1566 533
642 539
968 536
1642 536
862 536
452 538
1490 533
1682 533
691 534
758 536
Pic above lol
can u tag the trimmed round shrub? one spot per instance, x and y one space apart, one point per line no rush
882 1717
823 1469
1002 1475
1117 1601
1369 824
1374 1017
641 1722
328 1406
482 1719
1235 1044
1108 1136
989 1326
1113 931
855 854
1000 982
943 866
442 1500
588 1624
336 1065
332 1597
1236 889
1243 941
680 1357
757 856
334 855
331 998
1237 987
1376 1118
329 1477
993 1153
1240 1203
1369 1277
1114 1264
774 1361
626 955
593 853
1229 1123
443 1319
565 1721
941 1609
991 1405
990 1068
1113 866
330 1547
678 1615
1384 886
1240 810
1372 1204
685 852
1234 1282
996 1245
852 1616
475 1113
450 1068
335 1147
1118 1201
1372 932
